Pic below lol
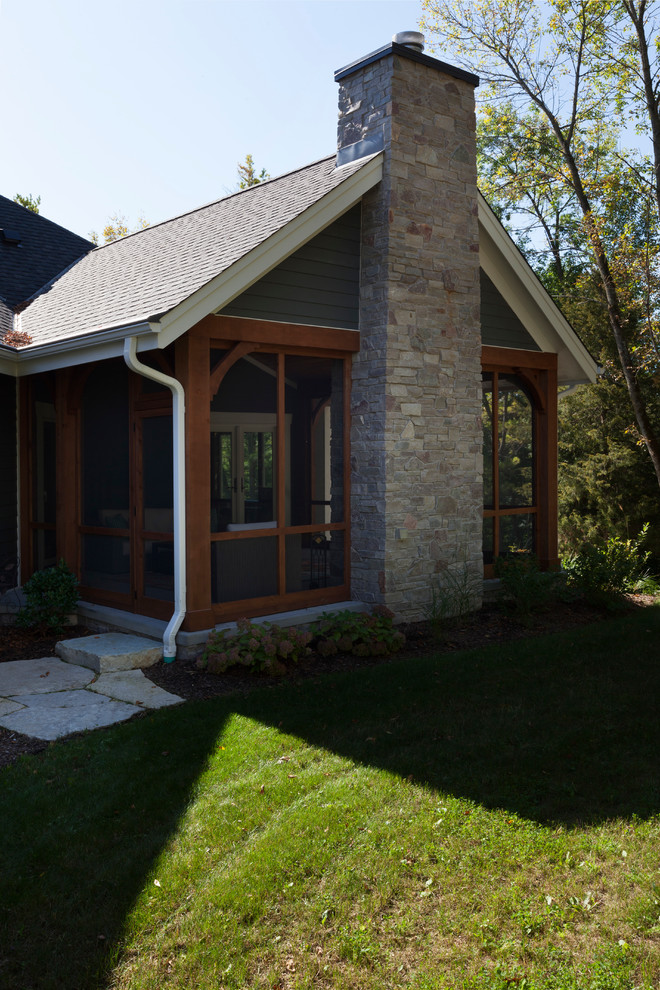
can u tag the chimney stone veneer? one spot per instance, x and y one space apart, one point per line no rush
416 435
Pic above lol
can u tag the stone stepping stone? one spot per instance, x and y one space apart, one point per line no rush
133 686
108 652
41 676
7 707
51 716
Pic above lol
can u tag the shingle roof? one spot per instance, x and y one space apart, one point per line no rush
44 250
6 318
148 273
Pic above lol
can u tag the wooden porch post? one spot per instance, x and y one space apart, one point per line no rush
550 446
193 371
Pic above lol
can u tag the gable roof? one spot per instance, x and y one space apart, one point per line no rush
160 281
142 277
40 252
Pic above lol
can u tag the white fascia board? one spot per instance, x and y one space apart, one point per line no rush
82 350
220 291
9 363
519 286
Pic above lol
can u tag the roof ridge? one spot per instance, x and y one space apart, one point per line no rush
214 202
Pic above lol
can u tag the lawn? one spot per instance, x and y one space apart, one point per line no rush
488 819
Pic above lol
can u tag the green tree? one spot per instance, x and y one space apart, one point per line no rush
247 173
117 227
606 482
560 76
30 202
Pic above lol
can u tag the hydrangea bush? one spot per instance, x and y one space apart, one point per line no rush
259 647
360 633
270 648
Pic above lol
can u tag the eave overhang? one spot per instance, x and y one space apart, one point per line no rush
98 346
521 289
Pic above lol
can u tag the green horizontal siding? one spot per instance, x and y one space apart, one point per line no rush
500 327
319 285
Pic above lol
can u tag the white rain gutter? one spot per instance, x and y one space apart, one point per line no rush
179 479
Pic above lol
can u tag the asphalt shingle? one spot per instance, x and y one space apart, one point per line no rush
44 250
152 271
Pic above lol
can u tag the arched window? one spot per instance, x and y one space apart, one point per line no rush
519 449
510 496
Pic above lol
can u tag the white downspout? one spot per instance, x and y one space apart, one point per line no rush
179 479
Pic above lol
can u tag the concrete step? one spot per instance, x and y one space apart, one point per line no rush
107 652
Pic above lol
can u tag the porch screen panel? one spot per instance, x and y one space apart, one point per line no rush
516 532
315 560
515 444
106 562
157 507
315 439
243 445
510 497
159 569
277 434
43 475
243 568
105 450
487 420
106 479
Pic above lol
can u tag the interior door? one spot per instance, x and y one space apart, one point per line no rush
243 471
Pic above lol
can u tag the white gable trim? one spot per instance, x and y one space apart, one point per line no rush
519 286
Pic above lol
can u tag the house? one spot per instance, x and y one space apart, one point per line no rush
349 371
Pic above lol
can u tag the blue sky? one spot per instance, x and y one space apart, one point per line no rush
146 107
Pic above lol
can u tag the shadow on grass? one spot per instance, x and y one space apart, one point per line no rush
562 729
73 857
559 730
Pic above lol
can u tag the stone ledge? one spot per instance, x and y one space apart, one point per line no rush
108 652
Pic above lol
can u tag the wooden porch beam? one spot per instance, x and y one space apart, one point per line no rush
227 362
283 334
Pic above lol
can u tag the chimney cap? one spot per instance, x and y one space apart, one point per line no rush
410 39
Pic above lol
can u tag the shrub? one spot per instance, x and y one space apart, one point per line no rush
527 587
359 633
603 571
50 595
259 647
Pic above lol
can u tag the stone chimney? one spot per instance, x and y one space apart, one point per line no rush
416 437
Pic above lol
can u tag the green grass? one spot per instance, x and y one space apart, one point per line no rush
487 819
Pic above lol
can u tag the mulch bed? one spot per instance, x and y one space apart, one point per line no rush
490 625
21 644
